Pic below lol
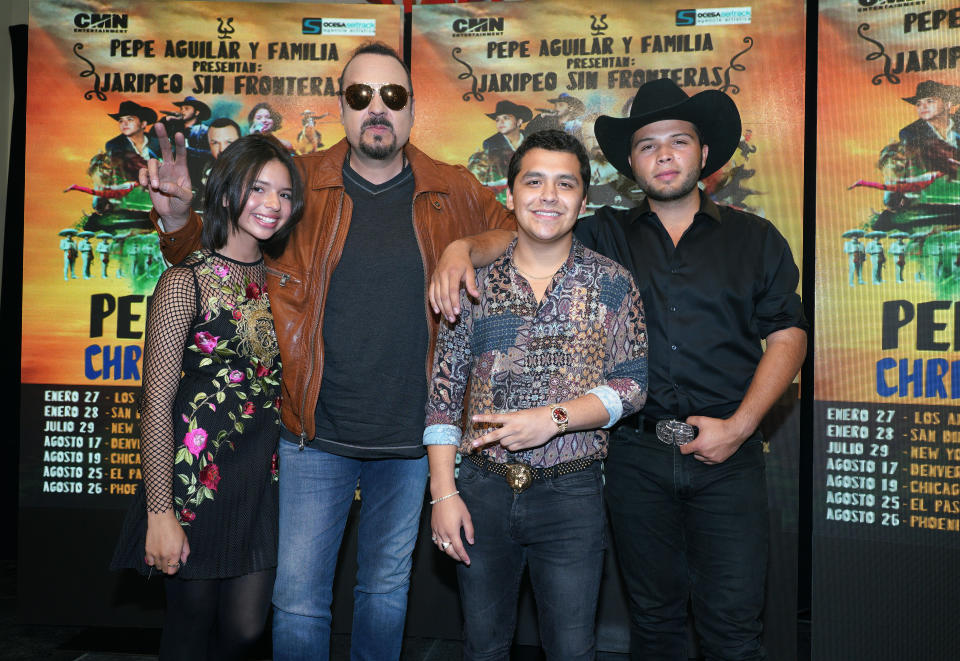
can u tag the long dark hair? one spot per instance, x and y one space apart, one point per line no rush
277 119
229 181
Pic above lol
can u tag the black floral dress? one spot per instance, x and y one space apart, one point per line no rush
210 419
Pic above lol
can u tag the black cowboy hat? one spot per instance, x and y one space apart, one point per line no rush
575 104
712 111
136 110
523 113
931 88
203 110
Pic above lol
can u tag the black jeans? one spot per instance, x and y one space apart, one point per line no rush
557 527
688 531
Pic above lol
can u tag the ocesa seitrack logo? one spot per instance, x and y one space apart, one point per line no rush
93 22
362 27
478 26
713 16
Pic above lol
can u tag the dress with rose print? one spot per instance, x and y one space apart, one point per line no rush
210 418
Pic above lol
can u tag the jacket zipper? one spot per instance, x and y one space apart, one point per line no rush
423 260
284 277
313 334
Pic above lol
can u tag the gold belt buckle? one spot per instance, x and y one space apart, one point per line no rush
519 477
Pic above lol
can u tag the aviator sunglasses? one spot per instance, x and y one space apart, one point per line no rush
359 95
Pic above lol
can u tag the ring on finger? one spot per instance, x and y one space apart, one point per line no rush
444 546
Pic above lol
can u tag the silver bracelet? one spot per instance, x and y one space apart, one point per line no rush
449 495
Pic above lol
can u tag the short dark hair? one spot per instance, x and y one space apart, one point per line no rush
229 181
551 140
696 129
376 48
277 119
224 122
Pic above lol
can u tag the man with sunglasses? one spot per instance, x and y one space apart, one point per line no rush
355 336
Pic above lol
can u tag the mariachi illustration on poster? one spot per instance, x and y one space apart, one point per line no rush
886 421
887 452
101 78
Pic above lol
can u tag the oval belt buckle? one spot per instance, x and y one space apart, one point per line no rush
519 477
675 432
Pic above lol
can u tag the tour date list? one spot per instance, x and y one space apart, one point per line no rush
80 446
887 471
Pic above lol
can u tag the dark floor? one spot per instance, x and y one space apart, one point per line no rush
23 642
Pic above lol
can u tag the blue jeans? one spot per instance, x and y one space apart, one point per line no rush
557 527
316 489
688 531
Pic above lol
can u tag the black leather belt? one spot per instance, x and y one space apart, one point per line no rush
643 423
519 476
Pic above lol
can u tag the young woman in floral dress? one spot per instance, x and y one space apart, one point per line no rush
207 517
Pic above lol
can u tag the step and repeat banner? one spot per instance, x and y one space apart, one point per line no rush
101 77
887 425
486 74
887 421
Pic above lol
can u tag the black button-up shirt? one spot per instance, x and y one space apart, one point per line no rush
729 282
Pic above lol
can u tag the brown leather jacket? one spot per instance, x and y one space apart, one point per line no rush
449 203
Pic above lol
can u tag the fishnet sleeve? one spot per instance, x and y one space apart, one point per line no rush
171 314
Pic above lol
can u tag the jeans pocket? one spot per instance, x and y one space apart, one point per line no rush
586 482
469 473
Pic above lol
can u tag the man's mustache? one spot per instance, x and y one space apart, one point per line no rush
376 121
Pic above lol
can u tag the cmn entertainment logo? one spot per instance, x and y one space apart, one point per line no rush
100 22
478 27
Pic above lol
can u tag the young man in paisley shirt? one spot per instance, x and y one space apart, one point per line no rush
554 351
685 483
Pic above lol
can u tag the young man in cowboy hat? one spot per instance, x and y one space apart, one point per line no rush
685 478
500 146
553 350
566 115
932 141
193 112
131 150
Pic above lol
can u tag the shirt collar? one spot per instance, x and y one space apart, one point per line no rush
142 148
575 256
708 208
950 131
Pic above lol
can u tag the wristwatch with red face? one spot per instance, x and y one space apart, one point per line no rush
559 415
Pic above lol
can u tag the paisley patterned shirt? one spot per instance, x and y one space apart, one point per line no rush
587 334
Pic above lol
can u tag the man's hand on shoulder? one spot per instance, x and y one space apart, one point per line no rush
717 440
453 269
456 267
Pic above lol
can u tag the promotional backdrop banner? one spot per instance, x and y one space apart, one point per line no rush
487 74
101 77
887 425
562 64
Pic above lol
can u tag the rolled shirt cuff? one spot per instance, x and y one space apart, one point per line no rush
611 401
441 435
